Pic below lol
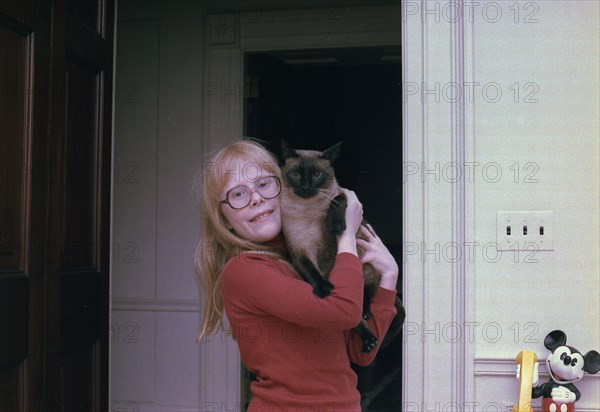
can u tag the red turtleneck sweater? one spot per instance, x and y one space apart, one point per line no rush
298 345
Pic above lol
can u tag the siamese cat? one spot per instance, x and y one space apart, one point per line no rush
313 214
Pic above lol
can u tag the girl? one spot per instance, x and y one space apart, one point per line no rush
298 345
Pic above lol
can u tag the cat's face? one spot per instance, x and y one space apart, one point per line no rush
308 171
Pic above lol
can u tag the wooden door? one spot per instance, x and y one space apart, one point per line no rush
55 134
24 93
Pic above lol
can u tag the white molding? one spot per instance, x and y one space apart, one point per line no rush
222 30
319 28
508 366
155 305
125 405
437 132
220 373
470 157
498 367
459 218
413 200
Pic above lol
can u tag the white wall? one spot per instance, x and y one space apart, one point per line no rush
479 310
155 361
551 128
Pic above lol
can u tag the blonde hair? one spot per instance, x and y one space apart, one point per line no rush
243 160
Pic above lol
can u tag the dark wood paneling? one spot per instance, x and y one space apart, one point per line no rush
14 140
17 122
79 210
85 11
31 380
85 45
17 11
82 287
55 138
13 320
9 389
81 165
80 310
79 395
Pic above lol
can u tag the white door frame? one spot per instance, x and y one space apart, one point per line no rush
436 368
439 207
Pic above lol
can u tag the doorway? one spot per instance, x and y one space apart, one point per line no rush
315 98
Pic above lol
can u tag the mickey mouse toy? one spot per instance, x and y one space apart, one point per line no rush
565 365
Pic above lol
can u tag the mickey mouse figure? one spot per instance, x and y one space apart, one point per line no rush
566 365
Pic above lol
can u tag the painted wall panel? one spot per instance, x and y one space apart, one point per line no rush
178 360
545 142
135 160
156 215
179 149
133 350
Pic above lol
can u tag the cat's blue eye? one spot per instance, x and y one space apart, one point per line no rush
317 173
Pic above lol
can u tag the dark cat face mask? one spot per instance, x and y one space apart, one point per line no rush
308 171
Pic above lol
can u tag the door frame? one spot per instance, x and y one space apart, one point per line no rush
439 239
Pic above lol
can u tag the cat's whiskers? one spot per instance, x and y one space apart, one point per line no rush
326 194
321 193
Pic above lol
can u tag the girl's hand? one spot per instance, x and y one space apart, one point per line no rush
375 253
354 217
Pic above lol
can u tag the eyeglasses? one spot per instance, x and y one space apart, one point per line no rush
239 197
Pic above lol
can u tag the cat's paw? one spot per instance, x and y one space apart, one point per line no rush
369 342
323 288
335 226
335 221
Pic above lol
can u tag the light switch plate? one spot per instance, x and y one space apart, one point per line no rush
525 230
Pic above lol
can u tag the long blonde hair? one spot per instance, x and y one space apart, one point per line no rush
240 160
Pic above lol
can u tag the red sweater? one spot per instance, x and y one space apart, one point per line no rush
298 345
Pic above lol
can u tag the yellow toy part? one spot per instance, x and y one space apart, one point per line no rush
527 360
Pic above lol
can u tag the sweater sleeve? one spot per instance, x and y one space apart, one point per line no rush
265 285
383 312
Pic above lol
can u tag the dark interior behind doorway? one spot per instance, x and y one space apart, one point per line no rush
316 98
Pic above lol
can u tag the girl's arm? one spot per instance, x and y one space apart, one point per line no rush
263 285
382 314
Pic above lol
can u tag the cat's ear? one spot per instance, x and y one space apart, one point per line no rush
333 152
286 152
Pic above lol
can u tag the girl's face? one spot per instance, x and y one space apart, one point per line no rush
260 220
